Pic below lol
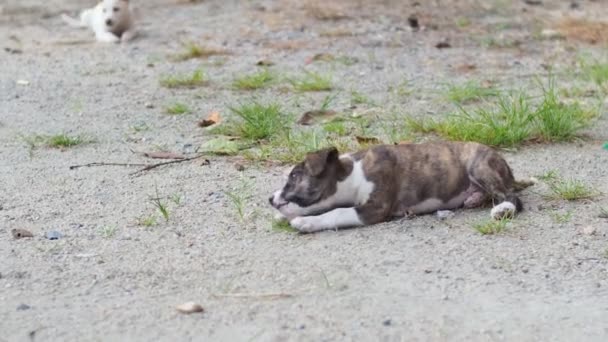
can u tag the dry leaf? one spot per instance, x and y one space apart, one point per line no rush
367 140
466 67
323 57
189 307
163 155
309 117
583 30
212 119
21 233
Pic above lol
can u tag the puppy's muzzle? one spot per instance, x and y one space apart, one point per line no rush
109 22
276 200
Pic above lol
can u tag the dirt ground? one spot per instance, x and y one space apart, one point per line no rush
109 278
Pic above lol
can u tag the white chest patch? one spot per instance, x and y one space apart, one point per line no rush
356 188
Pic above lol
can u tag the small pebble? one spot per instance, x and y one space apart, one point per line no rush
413 22
589 230
149 105
189 307
23 307
53 235
443 44
445 214
239 167
387 323
21 233
551 34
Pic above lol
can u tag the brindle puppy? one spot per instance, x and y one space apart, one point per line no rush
329 191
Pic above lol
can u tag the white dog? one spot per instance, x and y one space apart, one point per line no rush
111 20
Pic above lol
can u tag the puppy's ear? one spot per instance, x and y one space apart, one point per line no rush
317 162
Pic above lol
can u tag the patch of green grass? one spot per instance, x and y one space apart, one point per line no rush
469 92
491 226
595 71
514 120
336 127
193 50
603 212
549 175
258 121
177 108
140 127
357 98
292 146
147 221
108 231
312 81
562 217
506 126
238 197
159 204
254 81
463 22
197 79
557 121
176 198
499 43
283 226
64 140
570 190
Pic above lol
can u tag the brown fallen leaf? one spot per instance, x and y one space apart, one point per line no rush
163 155
309 117
592 32
189 307
466 67
323 57
444 44
212 119
367 140
21 233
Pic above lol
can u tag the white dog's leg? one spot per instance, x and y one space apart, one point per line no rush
106 37
128 35
337 218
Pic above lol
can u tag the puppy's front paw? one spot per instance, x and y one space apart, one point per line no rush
503 210
305 224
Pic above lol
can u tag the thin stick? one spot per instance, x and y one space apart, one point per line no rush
254 295
105 164
153 166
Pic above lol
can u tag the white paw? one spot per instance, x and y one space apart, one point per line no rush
503 210
304 224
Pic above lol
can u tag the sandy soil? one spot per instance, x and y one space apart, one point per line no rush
109 278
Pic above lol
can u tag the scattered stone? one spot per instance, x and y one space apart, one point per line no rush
443 44
189 308
551 34
412 20
13 51
23 82
149 105
239 167
533 2
21 233
574 5
23 307
387 322
445 214
53 235
589 230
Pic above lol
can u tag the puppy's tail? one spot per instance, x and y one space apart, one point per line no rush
72 21
520 185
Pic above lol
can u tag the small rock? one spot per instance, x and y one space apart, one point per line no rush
149 105
23 82
589 230
53 235
443 44
189 307
574 5
533 2
239 167
387 322
264 62
23 307
21 233
445 214
412 20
